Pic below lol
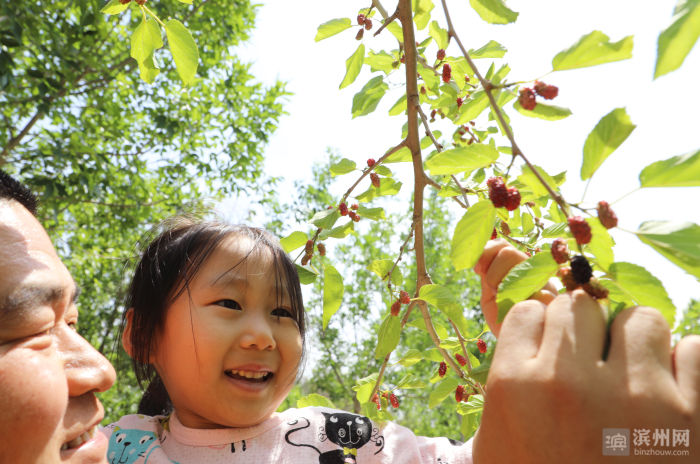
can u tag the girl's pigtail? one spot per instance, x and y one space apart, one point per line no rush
155 400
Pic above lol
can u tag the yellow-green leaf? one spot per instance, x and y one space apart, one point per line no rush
399 107
478 102
332 292
494 11
114 7
293 241
325 218
593 49
462 159
389 336
422 9
679 243
643 287
676 41
543 111
343 166
523 280
471 234
491 50
314 399
306 276
353 65
332 27
381 267
679 171
601 244
184 50
608 134
366 100
145 40
442 391
148 69
438 34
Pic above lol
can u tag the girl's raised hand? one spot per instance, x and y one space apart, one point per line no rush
496 261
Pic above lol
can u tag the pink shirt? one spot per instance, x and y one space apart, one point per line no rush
296 436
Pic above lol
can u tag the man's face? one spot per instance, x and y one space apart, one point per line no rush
48 373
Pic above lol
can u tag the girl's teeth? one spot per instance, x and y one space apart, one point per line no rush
249 375
76 442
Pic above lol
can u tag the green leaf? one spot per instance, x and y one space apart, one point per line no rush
422 9
314 399
371 213
676 41
145 39
364 387
353 65
462 159
340 231
480 373
332 27
306 276
293 241
523 280
343 167
528 178
388 186
601 244
491 50
367 99
184 50
189 2
411 357
148 69
494 11
679 171
114 7
395 28
442 391
381 61
389 336
436 295
432 80
591 50
332 292
679 243
438 34
644 288
400 156
325 218
381 267
542 111
399 107
478 102
471 234
608 134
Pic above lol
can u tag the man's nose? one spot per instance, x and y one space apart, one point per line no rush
86 369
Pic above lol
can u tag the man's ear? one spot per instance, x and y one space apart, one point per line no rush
126 335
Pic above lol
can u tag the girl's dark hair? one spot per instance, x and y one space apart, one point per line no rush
164 272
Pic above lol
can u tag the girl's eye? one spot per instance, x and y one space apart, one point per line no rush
230 304
281 312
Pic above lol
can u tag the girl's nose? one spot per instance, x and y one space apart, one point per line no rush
257 334
86 369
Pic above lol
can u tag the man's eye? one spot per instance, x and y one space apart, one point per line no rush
281 312
230 304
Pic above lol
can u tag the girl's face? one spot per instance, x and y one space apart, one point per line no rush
229 350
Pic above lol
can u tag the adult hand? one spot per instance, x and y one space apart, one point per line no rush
550 394
497 259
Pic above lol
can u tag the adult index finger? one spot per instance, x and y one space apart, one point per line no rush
521 335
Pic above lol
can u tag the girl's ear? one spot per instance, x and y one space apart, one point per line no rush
126 335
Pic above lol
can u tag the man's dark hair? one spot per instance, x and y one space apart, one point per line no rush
11 189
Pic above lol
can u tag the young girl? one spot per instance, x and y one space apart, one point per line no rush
215 325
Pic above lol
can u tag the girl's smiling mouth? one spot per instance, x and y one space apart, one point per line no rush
252 376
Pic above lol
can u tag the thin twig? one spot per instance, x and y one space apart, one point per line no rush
387 21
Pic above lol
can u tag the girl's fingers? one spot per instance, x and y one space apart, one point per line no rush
575 328
638 337
521 334
686 361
